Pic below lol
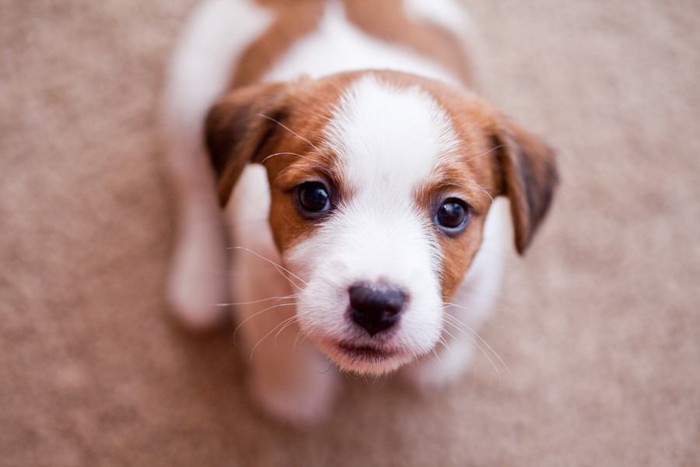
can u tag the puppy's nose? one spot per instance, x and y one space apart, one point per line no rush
375 308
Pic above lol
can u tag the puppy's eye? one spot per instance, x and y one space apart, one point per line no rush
452 216
313 198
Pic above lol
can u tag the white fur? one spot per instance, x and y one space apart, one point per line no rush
387 138
390 141
198 74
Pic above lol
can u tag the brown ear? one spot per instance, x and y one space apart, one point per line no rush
239 127
529 178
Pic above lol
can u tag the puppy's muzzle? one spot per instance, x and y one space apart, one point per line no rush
374 307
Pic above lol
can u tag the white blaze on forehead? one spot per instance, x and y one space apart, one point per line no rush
386 136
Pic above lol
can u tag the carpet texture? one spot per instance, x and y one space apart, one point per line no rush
599 325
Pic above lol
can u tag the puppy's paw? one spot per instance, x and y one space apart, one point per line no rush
197 292
437 372
296 399
197 310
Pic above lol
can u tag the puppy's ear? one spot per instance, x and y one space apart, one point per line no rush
529 176
239 127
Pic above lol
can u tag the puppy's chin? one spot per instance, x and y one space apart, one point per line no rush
365 359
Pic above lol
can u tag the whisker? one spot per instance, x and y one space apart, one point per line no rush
457 324
472 309
290 130
282 154
483 190
312 165
443 341
286 326
254 302
260 341
437 354
485 153
456 305
258 313
449 334
277 266
476 343
488 346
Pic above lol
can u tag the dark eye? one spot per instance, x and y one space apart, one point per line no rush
452 215
313 198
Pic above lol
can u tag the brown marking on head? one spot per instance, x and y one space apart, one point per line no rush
453 179
529 174
278 125
498 158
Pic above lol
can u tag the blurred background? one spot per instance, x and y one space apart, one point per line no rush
599 324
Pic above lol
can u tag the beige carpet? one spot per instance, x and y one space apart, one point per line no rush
599 325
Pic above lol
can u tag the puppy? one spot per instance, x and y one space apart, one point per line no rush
364 188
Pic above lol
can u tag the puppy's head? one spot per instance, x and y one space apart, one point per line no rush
380 183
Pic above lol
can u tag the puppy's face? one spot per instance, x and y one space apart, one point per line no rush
380 184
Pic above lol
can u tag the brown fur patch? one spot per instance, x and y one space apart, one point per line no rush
279 125
455 179
528 167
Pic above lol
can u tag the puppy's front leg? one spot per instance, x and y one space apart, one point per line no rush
197 284
288 377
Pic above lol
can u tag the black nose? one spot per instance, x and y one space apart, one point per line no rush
374 307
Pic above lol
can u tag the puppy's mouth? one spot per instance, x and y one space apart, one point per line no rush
366 358
365 353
